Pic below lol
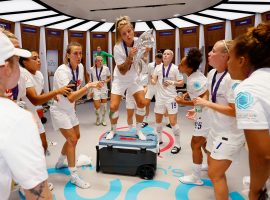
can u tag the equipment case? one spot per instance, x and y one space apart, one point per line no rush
126 154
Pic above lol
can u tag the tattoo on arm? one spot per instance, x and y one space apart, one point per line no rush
38 190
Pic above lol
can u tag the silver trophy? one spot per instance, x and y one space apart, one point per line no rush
146 40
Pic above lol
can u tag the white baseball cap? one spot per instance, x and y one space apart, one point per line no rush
7 49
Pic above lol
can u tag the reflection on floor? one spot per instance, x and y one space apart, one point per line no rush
165 184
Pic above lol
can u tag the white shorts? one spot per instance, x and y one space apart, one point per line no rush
151 91
221 150
62 119
119 88
39 123
201 127
171 107
130 101
100 94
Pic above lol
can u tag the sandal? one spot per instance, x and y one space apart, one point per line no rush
175 150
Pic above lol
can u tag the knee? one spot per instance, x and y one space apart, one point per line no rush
213 175
141 103
195 143
72 141
113 107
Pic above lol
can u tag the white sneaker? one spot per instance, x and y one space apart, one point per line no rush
76 180
110 135
141 135
204 167
97 121
104 123
60 165
191 179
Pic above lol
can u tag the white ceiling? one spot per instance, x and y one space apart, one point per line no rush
81 8
156 14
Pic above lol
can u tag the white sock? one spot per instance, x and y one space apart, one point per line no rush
103 109
145 119
197 169
166 119
73 170
97 111
113 127
159 131
130 126
62 158
138 126
176 132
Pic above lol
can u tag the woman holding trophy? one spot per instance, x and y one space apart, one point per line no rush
126 75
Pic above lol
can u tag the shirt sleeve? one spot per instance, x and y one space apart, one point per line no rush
107 54
119 55
250 113
62 78
108 73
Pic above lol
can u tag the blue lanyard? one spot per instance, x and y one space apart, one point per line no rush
98 75
126 51
214 90
75 78
15 92
166 74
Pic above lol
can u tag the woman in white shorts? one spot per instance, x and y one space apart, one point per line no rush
196 87
224 140
100 72
34 83
166 76
63 109
125 76
150 90
249 61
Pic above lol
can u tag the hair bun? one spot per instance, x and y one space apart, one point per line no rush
261 33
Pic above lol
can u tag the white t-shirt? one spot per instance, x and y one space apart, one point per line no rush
103 76
223 125
196 84
166 94
62 77
21 153
252 100
120 57
36 81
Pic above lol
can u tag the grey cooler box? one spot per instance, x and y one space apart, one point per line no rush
126 154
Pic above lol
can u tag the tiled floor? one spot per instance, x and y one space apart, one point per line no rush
164 186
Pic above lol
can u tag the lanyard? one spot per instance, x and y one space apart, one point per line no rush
126 51
214 90
15 92
75 78
166 74
98 75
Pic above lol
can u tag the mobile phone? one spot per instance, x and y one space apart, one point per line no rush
73 87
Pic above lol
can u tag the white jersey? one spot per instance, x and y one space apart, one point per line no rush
120 57
166 94
253 102
94 72
62 77
36 81
223 126
196 84
21 153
